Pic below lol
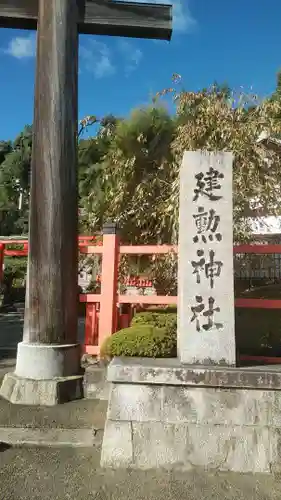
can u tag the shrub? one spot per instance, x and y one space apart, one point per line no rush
159 319
13 280
141 341
164 274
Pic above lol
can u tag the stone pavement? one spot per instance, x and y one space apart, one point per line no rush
74 474
11 326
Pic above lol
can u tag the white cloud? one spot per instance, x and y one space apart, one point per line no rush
132 55
183 22
97 58
21 47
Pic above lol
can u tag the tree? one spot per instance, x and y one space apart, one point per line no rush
91 153
15 184
5 148
129 171
231 124
277 93
136 175
139 175
15 172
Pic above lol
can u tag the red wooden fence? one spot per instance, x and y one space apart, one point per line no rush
103 316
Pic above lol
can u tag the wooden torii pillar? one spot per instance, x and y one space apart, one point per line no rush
48 359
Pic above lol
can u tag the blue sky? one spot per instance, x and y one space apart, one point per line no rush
237 41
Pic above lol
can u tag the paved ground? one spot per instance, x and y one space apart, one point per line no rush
11 326
72 474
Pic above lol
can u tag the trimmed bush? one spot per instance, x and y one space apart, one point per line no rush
161 309
158 319
142 341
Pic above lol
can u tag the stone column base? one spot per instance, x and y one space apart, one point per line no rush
48 361
26 391
45 375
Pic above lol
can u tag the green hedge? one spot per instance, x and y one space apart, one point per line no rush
142 341
157 319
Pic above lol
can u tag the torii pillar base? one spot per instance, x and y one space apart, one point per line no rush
45 375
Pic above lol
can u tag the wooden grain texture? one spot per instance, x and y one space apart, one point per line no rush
51 296
138 20
101 17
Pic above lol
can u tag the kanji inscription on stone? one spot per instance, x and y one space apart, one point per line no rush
211 268
207 225
207 184
200 311
206 292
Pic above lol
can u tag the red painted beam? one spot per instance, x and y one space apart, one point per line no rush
90 249
147 299
172 300
257 249
258 303
92 350
86 247
263 359
147 249
16 253
89 298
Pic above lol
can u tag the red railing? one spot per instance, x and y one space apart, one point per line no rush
103 316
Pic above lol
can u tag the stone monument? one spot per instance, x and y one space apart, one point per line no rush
198 410
205 273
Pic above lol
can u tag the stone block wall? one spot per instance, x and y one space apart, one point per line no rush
95 383
162 425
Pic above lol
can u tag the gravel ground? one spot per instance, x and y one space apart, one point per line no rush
72 474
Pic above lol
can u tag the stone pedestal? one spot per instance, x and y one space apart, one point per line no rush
51 392
197 411
165 414
44 375
45 362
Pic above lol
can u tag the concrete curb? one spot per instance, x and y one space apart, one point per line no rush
77 438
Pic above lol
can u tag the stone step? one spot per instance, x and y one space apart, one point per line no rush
57 438
80 414
76 424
